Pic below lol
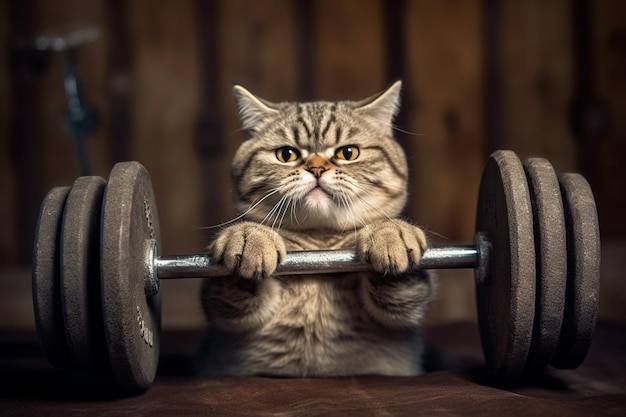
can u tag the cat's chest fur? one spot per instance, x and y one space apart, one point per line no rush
318 328
313 322
315 240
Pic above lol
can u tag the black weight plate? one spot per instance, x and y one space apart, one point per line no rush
551 261
80 274
583 272
506 300
46 279
132 319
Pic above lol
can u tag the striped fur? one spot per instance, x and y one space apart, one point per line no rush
320 175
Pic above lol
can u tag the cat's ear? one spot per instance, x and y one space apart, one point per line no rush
252 110
382 107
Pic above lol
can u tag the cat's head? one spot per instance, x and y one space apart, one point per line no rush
319 165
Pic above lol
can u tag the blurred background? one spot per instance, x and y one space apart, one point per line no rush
150 80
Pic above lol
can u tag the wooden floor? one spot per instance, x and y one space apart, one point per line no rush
456 384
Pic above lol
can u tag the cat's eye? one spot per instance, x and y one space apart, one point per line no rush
347 153
287 154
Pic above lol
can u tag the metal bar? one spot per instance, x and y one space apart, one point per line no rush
313 262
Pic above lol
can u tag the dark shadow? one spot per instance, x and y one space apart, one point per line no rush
27 375
436 360
541 380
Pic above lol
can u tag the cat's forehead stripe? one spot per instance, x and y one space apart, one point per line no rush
331 120
315 120
338 132
303 123
296 135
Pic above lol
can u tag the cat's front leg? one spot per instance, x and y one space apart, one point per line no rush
249 250
391 246
245 300
397 294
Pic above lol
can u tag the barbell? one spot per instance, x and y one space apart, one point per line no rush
536 257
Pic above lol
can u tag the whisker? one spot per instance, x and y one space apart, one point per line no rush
272 212
294 214
371 204
282 217
397 128
278 214
348 203
406 132
361 221
241 216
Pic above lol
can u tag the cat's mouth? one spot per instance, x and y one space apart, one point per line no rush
318 193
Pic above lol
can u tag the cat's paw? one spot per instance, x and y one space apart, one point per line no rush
391 246
249 250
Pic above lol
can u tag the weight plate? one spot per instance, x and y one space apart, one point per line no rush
46 279
551 256
80 274
132 320
506 296
583 272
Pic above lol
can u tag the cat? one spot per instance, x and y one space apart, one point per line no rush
317 175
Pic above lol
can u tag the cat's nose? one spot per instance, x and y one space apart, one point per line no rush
317 171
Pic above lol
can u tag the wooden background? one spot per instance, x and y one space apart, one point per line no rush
544 78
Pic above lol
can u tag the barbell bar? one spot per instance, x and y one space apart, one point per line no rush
96 270
308 262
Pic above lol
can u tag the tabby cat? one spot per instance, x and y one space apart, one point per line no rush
319 175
